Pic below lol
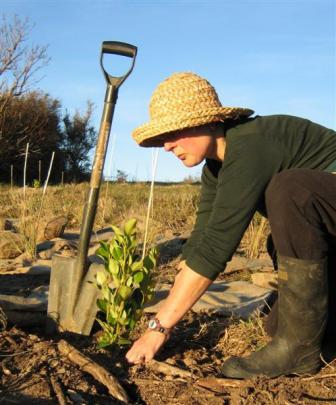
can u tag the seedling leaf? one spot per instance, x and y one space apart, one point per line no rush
129 227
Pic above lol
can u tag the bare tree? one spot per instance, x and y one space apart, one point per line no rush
19 61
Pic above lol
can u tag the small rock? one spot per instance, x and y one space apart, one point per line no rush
189 362
46 254
54 363
33 338
6 371
11 245
59 246
55 228
11 224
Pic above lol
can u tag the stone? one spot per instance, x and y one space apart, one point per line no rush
11 224
11 245
55 228
265 280
58 246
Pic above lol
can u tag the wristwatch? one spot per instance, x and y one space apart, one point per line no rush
154 324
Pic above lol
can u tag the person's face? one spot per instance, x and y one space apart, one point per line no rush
191 146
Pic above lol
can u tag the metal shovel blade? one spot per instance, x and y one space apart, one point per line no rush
67 310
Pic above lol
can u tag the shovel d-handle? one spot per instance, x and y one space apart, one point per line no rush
113 84
117 48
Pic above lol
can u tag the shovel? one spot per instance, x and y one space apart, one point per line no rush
72 292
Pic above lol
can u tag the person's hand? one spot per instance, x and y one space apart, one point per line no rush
145 348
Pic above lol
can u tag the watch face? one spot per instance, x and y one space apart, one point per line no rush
152 324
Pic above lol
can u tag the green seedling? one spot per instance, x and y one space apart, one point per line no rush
126 284
36 183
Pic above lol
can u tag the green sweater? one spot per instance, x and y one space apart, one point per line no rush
233 191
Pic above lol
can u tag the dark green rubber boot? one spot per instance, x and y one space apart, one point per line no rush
302 318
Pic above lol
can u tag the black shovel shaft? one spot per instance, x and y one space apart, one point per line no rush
90 207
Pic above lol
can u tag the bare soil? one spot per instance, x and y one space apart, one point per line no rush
30 363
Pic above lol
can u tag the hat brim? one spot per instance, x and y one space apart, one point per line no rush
155 132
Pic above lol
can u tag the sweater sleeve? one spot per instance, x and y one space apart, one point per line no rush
250 162
207 197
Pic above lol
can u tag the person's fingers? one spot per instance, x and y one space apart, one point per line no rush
145 348
139 358
132 356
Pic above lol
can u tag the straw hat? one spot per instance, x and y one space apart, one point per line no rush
183 100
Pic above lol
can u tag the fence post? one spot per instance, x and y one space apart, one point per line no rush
11 175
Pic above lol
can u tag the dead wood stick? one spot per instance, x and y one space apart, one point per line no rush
318 377
58 391
218 384
97 371
167 369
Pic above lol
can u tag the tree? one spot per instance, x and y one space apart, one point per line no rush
18 61
121 176
35 118
77 141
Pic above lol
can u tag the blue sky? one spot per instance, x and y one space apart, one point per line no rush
271 56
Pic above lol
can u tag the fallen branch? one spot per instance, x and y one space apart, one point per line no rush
219 384
97 372
167 369
58 391
318 377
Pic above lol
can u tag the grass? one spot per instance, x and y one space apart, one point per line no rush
173 212
255 337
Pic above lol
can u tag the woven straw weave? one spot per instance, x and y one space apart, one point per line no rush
183 100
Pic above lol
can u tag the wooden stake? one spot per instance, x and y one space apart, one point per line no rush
11 175
91 367
42 198
40 167
150 200
25 170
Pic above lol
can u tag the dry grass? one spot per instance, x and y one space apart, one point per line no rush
255 337
174 210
